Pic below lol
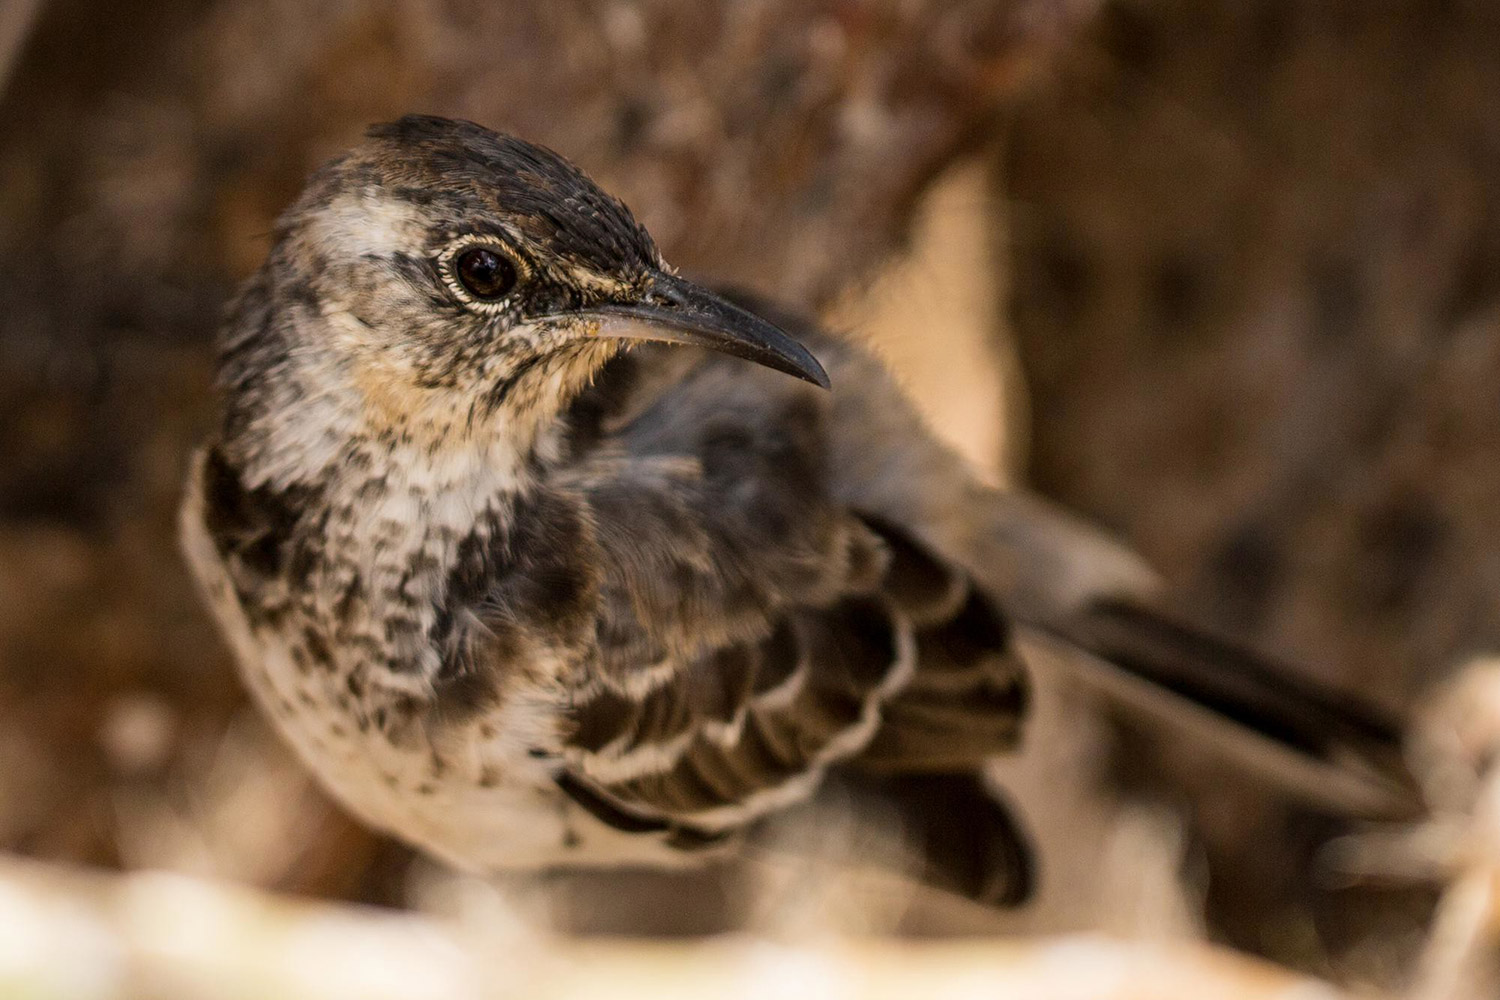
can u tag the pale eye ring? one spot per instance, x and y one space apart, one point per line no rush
481 273
485 273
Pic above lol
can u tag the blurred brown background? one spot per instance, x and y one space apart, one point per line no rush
1239 261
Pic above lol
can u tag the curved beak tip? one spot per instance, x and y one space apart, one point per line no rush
681 312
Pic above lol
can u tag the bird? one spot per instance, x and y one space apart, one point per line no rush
541 555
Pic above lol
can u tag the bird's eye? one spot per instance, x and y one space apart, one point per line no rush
486 274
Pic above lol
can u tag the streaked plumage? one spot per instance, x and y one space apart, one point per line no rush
526 599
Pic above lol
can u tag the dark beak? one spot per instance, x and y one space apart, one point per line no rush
679 312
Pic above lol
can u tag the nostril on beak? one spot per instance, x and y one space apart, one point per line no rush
666 297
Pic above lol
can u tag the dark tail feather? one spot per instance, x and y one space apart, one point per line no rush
961 832
1328 747
969 839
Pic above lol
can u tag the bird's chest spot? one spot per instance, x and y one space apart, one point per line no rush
383 752
418 578
392 546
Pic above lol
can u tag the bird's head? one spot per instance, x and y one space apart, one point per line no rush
442 282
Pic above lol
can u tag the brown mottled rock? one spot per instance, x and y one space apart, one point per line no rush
1256 273
1257 289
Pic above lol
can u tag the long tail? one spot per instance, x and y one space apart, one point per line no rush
1327 748
1088 610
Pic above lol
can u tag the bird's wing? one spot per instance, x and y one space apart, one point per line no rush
738 516
756 631
1088 607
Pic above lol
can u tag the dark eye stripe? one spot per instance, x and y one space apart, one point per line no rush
416 270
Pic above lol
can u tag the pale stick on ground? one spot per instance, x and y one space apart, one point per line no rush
72 935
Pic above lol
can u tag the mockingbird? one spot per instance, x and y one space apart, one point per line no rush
526 588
